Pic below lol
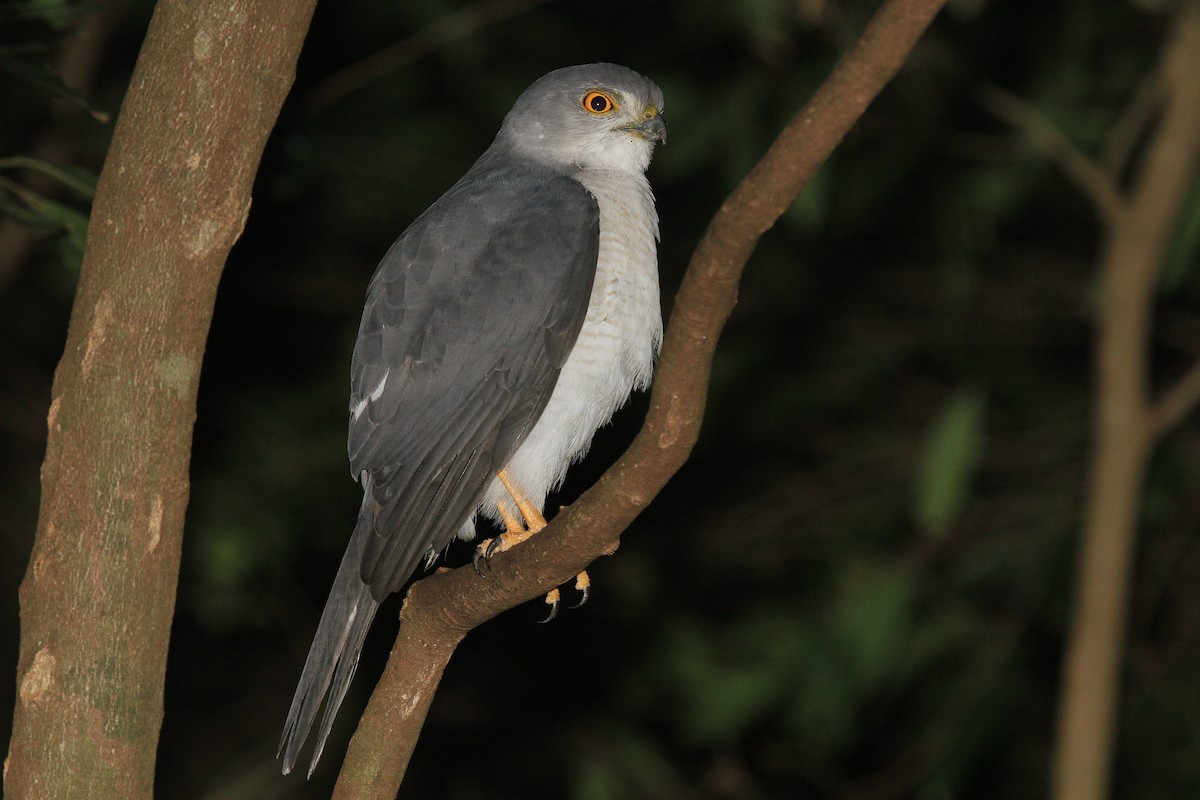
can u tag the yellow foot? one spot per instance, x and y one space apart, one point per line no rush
552 601
514 534
517 527
582 584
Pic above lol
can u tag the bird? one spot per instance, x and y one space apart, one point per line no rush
500 331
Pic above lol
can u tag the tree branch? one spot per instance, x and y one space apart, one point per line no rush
1135 118
440 610
99 593
1093 179
1176 403
1124 428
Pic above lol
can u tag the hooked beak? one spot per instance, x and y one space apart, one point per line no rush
652 126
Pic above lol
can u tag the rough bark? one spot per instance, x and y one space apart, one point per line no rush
440 610
99 592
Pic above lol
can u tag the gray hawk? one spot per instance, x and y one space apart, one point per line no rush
501 330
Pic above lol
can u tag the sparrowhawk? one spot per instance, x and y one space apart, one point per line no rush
501 330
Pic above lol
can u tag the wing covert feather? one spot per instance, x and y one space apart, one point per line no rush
468 320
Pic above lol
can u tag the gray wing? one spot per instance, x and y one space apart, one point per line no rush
468 321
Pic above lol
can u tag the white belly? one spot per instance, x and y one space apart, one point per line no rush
617 344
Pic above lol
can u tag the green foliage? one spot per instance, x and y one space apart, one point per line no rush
58 14
953 451
634 766
45 81
1179 267
78 180
36 23
45 216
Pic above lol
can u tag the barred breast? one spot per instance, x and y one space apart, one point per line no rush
617 344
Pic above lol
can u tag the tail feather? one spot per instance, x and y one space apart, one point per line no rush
334 654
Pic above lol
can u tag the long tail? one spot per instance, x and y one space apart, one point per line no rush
334 653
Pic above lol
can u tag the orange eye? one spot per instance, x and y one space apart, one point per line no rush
598 102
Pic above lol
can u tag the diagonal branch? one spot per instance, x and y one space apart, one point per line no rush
1091 177
440 610
1135 119
1176 402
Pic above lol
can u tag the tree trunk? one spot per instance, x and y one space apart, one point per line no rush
99 592
1127 425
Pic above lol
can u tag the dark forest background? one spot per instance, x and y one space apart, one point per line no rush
858 586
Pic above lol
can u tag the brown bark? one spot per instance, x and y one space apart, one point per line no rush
440 610
98 596
1126 426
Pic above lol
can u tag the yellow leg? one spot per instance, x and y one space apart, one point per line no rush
515 533
517 528
512 523
534 520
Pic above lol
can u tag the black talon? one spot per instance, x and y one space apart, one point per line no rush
485 555
491 550
552 615
584 598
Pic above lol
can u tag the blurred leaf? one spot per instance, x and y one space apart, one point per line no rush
949 459
226 555
47 81
629 764
78 180
733 698
55 13
1179 264
766 24
597 782
872 617
730 681
942 631
73 224
47 218
993 193
822 712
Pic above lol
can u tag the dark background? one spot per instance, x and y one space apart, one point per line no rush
856 588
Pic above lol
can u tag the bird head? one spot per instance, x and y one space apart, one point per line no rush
600 116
